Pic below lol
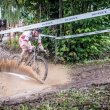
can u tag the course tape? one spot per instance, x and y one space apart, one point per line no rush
59 21
83 34
43 35
78 35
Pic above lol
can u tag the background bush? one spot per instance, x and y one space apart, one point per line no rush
68 50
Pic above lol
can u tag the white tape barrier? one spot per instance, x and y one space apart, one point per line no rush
78 35
84 34
60 21
43 35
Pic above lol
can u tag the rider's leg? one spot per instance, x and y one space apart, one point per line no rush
23 54
29 60
29 53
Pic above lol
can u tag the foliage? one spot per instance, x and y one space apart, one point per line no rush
10 11
83 49
12 45
68 50
72 99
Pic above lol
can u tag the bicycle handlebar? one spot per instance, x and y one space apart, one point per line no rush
39 50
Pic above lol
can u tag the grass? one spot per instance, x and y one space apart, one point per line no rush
72 99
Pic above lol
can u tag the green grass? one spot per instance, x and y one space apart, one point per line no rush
72 99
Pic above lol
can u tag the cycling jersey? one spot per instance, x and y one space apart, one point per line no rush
27 36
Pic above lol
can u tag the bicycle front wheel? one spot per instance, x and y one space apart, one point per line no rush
41 67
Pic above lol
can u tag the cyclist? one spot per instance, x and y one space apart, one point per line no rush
25 41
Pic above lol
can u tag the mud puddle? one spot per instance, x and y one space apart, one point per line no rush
14 83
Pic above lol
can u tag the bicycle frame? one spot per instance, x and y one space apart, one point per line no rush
33 56
37 63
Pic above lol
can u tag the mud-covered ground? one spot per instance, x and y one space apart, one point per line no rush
12 83
78 76
90 74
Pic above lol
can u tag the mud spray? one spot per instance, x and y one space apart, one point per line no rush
16 79
11 66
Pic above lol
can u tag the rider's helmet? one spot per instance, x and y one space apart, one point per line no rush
38 30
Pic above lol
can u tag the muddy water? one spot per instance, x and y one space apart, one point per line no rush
14 83
58 74
11 84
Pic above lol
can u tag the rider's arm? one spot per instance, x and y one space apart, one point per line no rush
40 43
27 43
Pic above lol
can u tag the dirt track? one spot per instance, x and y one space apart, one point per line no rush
12 84
91 74
80 76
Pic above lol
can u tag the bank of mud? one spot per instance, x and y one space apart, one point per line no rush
60 77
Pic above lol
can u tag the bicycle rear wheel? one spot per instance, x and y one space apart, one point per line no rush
16 58
41 67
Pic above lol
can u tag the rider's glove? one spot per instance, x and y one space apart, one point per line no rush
41 47
31 48
44 50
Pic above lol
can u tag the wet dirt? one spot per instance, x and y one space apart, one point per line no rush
14 80
90 74
14 83
58 74
77 76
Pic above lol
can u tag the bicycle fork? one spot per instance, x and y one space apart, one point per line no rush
34 55
35 62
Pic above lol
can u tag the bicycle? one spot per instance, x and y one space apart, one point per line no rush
38 63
